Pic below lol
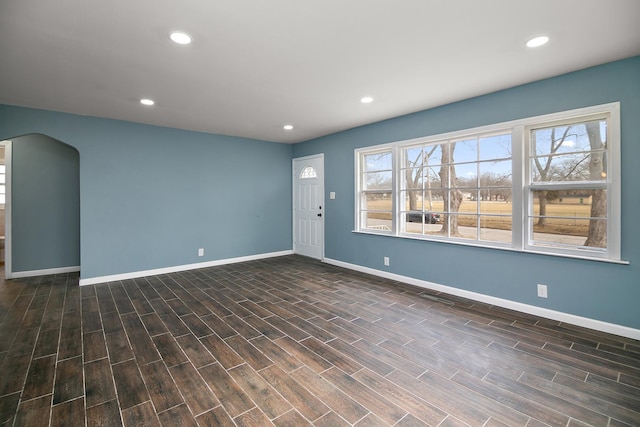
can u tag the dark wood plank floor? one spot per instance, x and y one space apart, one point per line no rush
290 342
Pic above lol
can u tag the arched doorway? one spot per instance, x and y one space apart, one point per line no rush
42 211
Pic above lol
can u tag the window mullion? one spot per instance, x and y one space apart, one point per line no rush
519 193
395 186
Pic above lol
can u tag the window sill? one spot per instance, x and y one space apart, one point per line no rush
494 247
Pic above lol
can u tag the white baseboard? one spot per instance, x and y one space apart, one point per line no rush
585 322
177 268
46 272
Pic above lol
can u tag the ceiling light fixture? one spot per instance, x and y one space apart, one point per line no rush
180 37
288 127
366 99
538 41
146 101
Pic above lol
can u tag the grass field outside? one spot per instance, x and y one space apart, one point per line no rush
564 218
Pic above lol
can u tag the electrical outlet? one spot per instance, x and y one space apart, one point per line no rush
201 252
386 261
542 291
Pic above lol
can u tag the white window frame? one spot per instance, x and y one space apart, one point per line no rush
522 189
361 193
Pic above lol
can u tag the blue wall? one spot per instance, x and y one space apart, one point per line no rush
151 196
45 204
597 290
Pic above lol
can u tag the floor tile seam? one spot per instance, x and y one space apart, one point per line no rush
612 365
416 396
500 403
84 367
292 407
31 358
55 372
270 387
122 412
247 411
204 381
572 399
115 398
53 405
366 406
615 359
542 404
184 401
221 406
31 399
400 403
117 393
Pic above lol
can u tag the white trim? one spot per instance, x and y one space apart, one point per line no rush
45 272
178 268
585 322
8 274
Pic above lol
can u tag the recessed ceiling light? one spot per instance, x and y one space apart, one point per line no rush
537 41
147 102
180 37
288 127
366 99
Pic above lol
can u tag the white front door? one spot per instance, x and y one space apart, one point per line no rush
308 206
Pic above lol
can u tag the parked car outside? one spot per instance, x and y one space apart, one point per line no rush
429 217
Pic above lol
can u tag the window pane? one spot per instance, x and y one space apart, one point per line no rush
467 226
378 161
575 152
469 203
570 203
571 235
2 199
2 189
495 174
495 147
496 201
570 217
377 201
380 221
412 178
464 151
432 178
422 222
495 228
432 200
3 169
422 217
466 175
413 157
433 155
377 181
413 200
308 173
570 167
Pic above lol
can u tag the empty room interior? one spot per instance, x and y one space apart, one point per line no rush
324 213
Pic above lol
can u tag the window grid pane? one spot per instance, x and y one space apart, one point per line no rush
462 188
569 212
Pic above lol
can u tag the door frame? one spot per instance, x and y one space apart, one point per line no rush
8 274
294 180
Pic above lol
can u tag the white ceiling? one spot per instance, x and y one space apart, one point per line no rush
255 65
